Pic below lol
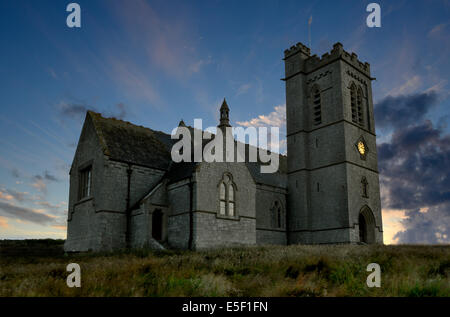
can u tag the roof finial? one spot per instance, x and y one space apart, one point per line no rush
181 124
224 115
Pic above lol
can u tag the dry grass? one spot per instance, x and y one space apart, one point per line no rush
253 271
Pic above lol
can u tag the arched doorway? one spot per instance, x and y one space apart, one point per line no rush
362 229
366 223
157 220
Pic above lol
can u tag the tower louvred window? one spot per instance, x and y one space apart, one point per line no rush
317 107
353 103
356 103
359 107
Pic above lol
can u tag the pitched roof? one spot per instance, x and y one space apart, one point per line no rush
126 142
182 170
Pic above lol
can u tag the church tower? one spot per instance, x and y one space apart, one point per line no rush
333 184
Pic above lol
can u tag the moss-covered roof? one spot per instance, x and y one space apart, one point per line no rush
126 142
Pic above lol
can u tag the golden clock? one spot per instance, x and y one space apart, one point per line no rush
361 148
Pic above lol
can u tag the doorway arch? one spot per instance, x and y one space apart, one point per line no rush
157 222
366 222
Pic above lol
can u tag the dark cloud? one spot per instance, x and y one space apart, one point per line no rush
56 210
46 176
404 110
19 196
22 213
75 110
121 111
415 168
15 172
78 111
50 177
430 227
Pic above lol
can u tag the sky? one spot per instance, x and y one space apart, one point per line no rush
154 63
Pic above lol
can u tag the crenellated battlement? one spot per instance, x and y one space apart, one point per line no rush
314 62
299 47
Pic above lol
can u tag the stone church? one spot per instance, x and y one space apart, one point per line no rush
125 190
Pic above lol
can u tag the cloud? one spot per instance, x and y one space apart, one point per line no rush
276 118
9 194
40 181
78 111
167 43
74 110
53 209
415 168
60 227
437 29
137 82
11 211
6 196
243 89
40 185
430 227
196 67
50 177
119 112
4 223
411 85
405 109
15 173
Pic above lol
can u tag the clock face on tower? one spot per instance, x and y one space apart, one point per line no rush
362 148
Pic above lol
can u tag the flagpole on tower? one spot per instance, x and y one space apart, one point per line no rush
309 30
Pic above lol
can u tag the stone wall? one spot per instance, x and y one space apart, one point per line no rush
212 229
178 215
82 221
98 222
266 231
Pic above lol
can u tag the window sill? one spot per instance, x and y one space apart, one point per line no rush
226 217
83 200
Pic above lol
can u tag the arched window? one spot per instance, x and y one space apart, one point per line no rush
353 102
365 185
359 106
277 215
317 107
356 104
227 196
223 201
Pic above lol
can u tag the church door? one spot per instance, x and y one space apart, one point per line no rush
362 229
157 225
366 225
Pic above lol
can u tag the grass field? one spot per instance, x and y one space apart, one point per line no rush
38 268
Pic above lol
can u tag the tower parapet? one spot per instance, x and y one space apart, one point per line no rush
313 62
297 48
